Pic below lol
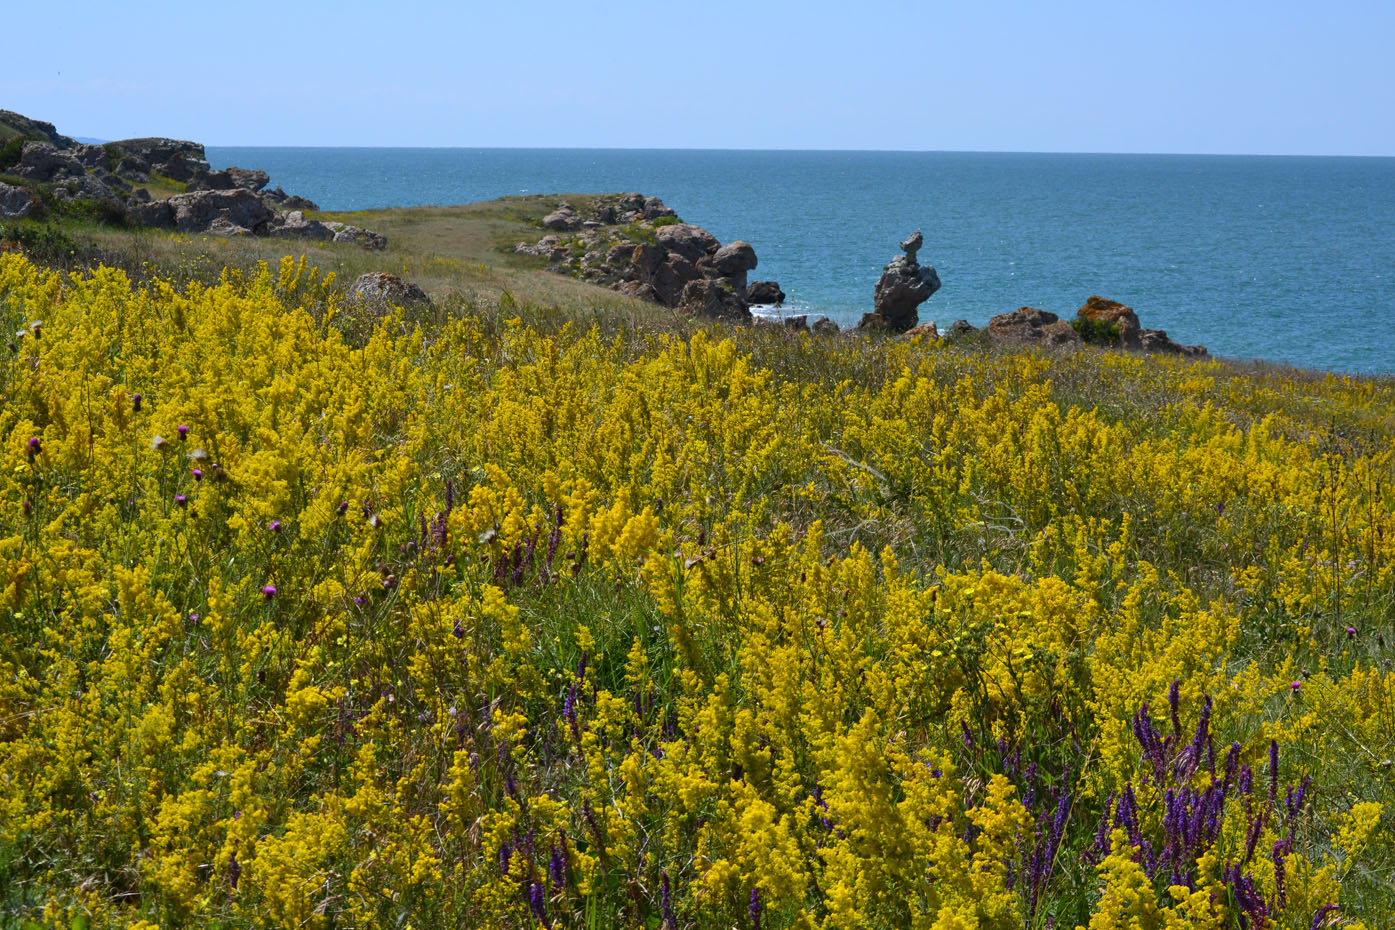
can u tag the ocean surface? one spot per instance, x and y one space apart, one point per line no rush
1287 259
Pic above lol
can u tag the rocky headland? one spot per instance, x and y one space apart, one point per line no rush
638 246
157 183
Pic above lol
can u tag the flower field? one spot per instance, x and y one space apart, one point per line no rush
314 620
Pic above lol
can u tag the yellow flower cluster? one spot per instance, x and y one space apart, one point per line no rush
491 627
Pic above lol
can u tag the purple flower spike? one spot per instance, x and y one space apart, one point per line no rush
135 403
666 906
183 432
755 908
269 591
1273 770
1319 918
536 902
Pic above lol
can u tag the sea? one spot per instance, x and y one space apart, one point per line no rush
1283 259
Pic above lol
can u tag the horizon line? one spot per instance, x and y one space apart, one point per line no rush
791 150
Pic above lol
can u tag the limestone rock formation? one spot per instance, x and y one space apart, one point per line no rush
383 287
823 326
231 201
637 246
15 202
1028 324
765 293
1156 340
905 284
294 225
1120 321
564 218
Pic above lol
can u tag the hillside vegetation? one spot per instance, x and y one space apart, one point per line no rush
487 613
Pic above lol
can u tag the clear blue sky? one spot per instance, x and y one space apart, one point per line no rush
1228 76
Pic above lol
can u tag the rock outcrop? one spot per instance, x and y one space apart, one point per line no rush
905 284
637 246
1028 324
1101 322
57 170
1108 319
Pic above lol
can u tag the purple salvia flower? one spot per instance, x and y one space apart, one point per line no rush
1232 760
1172 702
557 864
235 870
755 908
1246 781
1273 770
1279 854
666 904
1252 839
537 902
968 737
1102 833
1319 917
505 854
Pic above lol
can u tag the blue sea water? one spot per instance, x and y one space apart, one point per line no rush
1287 259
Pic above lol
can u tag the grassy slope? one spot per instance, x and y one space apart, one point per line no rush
462 257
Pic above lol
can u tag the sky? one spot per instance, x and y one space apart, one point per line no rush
1220 77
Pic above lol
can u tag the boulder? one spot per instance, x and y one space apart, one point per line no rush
961 328
711 298
294 225
1156 340
924 330
366 238
733 260
1121 321
653 208
1024 324
905 284
248 179
823 326
197 211
564 218
692 242
383 287
639 290
1060 333
15 202
798 324
765 293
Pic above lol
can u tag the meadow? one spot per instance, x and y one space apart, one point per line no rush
490 614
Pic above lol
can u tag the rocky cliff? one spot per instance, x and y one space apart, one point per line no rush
154 182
